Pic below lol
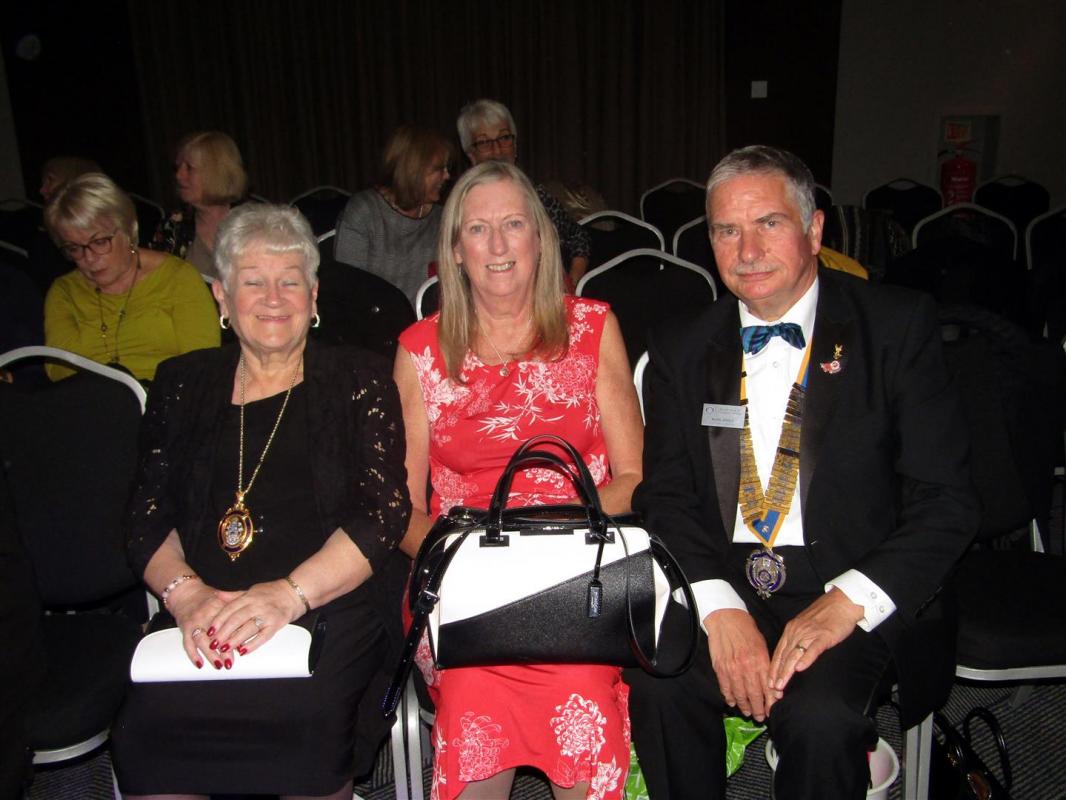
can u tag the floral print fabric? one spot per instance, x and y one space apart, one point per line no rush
570 721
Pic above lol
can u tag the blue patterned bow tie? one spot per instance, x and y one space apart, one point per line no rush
756 337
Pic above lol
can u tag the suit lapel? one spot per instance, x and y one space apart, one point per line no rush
832 330
723 387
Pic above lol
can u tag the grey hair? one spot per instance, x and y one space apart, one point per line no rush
762 160
276 228
479 114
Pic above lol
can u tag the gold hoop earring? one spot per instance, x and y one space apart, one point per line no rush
316 320
223 322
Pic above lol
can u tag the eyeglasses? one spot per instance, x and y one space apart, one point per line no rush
100 245
505 142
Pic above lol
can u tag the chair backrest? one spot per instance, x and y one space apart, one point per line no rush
19 221
612 233
645 287
973 223
907 200
692 242
1018 199
69 450
873 237
638 380
357 307
823 197
321 205
1011 390
427 301
149 215
671 204
1045 258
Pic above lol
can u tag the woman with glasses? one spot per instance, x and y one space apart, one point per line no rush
120 305
487 133
391 229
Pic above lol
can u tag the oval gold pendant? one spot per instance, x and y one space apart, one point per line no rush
235 531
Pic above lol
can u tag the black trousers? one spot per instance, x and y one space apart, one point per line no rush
821 728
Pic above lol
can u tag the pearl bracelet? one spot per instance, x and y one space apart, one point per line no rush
299 592
174 584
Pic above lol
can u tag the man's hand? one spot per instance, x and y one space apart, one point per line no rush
741 662
826 622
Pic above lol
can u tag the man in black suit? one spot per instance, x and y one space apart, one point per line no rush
806 461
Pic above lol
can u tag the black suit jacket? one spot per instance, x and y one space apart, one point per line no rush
884 477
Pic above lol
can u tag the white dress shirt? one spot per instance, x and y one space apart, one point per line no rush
770 375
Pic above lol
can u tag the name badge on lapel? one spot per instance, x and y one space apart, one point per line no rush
722 416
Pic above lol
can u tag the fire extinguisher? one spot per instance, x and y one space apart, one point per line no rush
958 177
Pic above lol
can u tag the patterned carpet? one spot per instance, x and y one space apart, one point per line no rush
1035 734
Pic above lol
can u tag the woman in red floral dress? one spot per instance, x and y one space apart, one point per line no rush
508 357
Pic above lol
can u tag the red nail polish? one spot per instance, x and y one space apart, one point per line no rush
242 650
228 663
199 664
211 631
218 665
223 648
214 644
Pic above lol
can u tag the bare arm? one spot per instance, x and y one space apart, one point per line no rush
620 417
416 425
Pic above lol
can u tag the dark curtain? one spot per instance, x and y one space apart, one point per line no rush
618 95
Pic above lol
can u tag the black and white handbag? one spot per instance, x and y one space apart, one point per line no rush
541 584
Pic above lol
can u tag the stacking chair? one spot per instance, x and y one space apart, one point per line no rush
69 453
1018 199
671 204
321 205
1045 258
907 200
19 221
612 233
645 287
427 301
692 242
971 222
638 379
823 197
149 215
357 307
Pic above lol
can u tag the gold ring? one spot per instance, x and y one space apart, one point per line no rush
801 648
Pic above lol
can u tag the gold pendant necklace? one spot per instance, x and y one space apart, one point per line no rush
504 369
236 529
104 328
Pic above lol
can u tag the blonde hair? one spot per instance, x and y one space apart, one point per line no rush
457 326
222 174
82 202
408 156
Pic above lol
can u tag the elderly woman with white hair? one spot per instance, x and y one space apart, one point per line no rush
121 305
271 487
487 132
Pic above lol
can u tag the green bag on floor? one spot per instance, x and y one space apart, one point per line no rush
739 733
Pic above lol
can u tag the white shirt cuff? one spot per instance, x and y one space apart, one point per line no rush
711 596
877 605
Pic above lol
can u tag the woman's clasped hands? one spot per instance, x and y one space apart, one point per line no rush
217 625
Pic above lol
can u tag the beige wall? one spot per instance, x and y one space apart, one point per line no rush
905 63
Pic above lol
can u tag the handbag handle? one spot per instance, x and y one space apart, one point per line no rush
578 474
987 717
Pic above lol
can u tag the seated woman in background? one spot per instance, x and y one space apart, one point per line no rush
391 229
210 179
487 133
508 357
310 440
121 305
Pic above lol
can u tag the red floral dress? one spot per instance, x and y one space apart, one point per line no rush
570 721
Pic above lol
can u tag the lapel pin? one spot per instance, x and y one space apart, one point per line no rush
834 366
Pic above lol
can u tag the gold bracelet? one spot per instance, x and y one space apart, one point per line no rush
299 592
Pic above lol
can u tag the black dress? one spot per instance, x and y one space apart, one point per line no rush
294 736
